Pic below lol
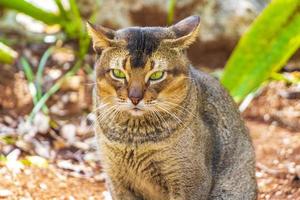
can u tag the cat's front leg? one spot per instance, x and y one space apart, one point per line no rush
191 186
119 191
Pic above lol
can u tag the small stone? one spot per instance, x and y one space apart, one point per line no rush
37 161
71 198
5 193
91 156
27 130
72 83
81 145
41 122
106 195
8 119
73 97
42 148
14 155
43 186
68 131
100 177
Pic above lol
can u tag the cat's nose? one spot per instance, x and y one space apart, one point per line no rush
135 100
135 94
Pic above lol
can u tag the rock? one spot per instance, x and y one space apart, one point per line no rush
91 157
43 186
220 18
107 195
14 166
5 193
68 131
72 83
42 148
27 130
81 145
14 155
37 161
41 122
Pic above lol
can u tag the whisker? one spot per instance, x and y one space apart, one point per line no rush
103 115
179 121
177 105
161 118
90 84
188 77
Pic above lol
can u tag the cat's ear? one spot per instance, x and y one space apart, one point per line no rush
186 31
102 37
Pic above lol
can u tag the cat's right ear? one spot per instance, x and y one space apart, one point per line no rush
186 31
102 37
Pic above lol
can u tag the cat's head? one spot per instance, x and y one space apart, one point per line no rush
143 69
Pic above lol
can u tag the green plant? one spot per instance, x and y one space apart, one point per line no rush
267 45
171 11
74 27
69 20
35 81
54 89
7 55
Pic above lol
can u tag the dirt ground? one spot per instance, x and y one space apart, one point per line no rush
277 161
47 183
277 152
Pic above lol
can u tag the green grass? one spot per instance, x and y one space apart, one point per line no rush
35 81
42 101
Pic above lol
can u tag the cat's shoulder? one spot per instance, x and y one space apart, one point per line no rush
209 85
205 80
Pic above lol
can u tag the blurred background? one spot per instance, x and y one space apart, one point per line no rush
47 145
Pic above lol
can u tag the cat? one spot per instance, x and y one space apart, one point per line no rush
166 130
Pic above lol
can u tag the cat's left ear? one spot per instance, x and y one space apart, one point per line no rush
102 37
186 31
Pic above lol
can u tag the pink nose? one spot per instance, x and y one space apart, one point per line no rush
135 92
135 100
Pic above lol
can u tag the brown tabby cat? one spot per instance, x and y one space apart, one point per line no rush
166 130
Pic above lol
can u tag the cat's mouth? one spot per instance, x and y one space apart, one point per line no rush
135 111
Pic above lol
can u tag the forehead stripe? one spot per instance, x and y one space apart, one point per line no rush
140 46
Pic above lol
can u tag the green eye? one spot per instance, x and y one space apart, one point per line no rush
156 75
118 73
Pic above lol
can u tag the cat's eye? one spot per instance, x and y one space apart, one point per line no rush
156 76
117 73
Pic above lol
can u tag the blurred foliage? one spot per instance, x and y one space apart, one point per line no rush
7 140
267 45
54 88
69 20
290 78
7 55
35 81
171 11
72 25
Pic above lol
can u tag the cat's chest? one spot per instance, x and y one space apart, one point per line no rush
141 170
